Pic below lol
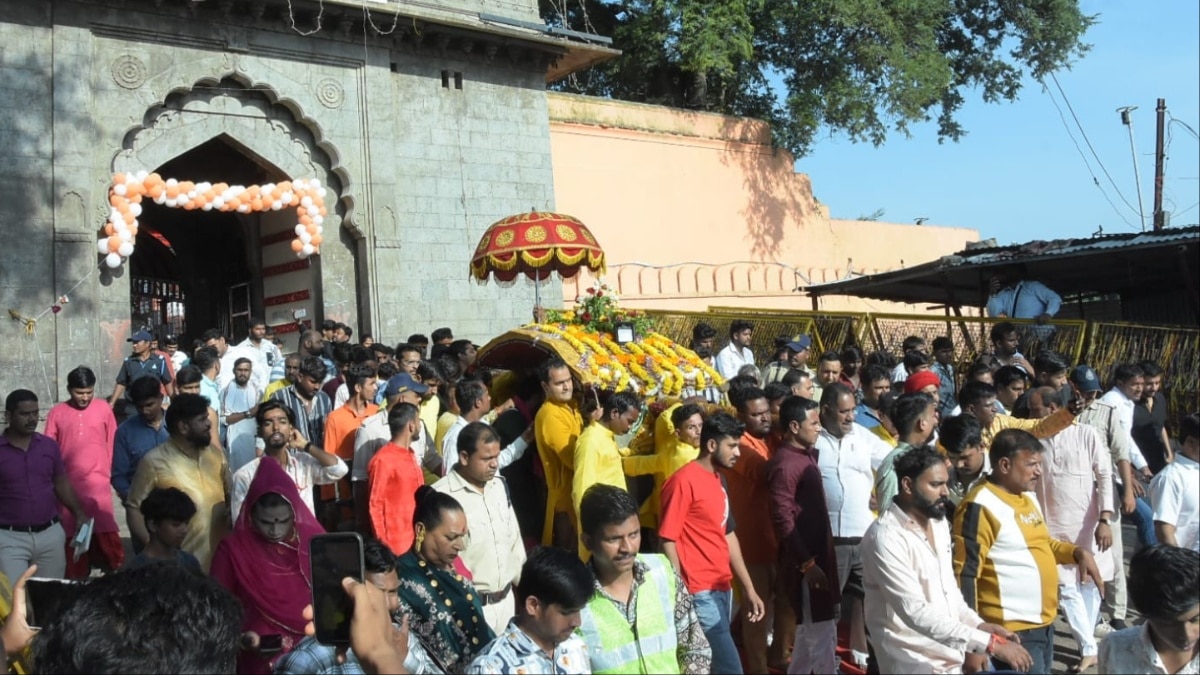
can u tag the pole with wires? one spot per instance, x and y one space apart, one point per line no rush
1160 161
1127 119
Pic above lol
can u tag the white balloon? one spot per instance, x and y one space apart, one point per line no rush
217 202
320 230
125 235
244 208
171 182
102 246
142 176
191 194
135 209
171 202
207 206
307 250
120 190
319 219
306 201
305 237
299 230
276 205
300 254
313 211
161 198
203 187
112 260
114 216
321 192
125 249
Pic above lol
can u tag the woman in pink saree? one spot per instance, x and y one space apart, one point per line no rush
265 563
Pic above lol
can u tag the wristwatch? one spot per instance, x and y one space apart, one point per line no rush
1104 521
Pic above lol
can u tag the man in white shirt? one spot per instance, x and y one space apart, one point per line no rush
263 351
229 355
918 620
474 401
848 455
306 463
1164 586
737 353
238 405
1175 491
496 552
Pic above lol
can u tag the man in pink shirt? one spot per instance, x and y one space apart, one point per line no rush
84 429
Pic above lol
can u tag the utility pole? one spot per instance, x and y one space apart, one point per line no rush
1160 162
1127 120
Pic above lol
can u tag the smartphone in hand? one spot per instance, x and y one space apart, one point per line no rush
270 644
334 557
45 599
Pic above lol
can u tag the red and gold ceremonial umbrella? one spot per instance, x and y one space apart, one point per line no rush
536 244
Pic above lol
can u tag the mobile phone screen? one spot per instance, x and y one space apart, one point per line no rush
334 557
269 644
46 598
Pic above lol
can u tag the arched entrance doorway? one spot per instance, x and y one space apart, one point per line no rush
195 270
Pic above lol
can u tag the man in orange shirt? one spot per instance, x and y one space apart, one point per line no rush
394 474
340 428
749 497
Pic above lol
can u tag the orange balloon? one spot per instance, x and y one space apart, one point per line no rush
284 186
135 199
256 204
295 200
108 229
133 229
187 186
321 210
172 192
317 239
297 245
118 178
154 179
114 243
156 191
115 200
306 220
128 218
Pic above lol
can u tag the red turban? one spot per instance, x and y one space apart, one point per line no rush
921 379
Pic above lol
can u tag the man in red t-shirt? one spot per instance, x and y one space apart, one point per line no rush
697 531
394 474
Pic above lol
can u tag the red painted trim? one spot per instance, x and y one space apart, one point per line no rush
286 298
277 238
293 266
286 328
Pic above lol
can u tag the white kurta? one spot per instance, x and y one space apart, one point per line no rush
241 437
1076 485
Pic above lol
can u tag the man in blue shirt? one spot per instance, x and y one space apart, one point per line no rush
875 381
1017 299
138 435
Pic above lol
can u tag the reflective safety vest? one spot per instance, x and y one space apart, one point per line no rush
646 646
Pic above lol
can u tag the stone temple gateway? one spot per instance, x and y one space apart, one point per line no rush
425 121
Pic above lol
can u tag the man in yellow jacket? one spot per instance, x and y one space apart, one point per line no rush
597 456
556 429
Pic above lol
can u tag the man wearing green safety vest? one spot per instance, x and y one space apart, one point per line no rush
640 619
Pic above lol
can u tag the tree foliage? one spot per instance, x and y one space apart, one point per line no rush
864 67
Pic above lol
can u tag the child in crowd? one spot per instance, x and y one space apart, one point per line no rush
167 511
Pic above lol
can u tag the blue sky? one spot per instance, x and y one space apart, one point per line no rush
1016 176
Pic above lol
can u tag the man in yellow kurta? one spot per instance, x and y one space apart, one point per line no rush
978 399
597 457
676 442
556 428
189 462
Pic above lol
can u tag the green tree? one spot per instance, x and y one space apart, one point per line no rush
864 67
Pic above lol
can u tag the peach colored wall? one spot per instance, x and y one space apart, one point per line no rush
695 209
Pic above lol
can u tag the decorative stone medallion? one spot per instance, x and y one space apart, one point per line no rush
128 71
330 93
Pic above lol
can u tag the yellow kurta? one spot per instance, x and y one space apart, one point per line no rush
670 455
204 478
1041 428
556 429
429 414
597 461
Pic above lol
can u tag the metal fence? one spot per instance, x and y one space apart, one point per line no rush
1175 350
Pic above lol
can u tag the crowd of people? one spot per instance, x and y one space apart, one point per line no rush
944 519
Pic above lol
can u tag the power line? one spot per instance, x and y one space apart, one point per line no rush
1095 181
1183 124
1180 213
1083 133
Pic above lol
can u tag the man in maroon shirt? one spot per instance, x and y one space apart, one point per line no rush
32 483
801 523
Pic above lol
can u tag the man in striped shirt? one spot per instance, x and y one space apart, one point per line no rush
1002 544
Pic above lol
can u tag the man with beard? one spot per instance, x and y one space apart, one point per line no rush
310 406
801 523
917 619
915 417
699 538
266 354
238 406
190 462
1076 497
1005 557
737 352
640 617
1150 419
304 462
393 476
750 500
875 381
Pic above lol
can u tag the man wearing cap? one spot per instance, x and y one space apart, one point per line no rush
142 363
1106 419
925 382
376 432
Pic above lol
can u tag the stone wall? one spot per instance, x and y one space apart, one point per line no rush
419 169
